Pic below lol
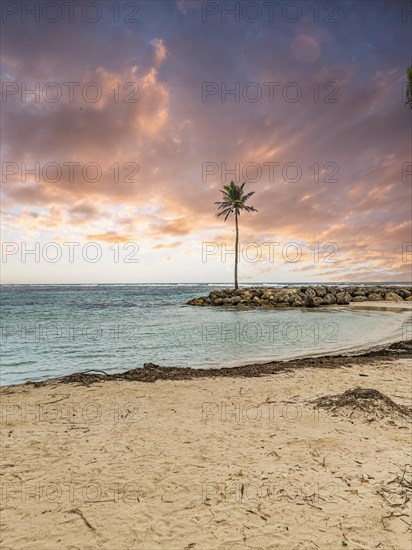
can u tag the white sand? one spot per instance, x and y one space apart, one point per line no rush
168 465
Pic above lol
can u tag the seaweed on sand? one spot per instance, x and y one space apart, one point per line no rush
370 401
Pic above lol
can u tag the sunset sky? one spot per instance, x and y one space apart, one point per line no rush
318 93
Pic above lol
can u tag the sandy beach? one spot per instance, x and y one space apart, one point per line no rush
210 463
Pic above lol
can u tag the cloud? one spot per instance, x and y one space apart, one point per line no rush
166 245
110 237
151 151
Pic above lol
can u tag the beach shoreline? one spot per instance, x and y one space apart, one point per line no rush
222 463
150 372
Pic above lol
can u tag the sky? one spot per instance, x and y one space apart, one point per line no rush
121 122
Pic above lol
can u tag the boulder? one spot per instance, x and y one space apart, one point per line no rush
317 301
359 293
392 297
374 290
359 299
196 302
218 301
329 299
311 293
282 296
343 298
408 299
321 291
374 297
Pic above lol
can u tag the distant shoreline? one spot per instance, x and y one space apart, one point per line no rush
226 285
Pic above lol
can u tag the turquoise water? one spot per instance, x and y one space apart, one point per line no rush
50 331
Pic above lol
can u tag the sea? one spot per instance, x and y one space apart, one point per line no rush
48 331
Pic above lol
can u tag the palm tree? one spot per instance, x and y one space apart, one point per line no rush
234 200
409 88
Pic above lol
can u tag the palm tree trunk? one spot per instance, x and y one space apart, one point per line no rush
236 249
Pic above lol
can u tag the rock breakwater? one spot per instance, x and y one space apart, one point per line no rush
303 296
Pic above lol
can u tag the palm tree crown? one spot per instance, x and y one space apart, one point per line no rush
234 200
409 88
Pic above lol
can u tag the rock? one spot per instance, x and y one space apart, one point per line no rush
343 298
228 301
317 301
392 297
196 302
282 296
374 297
297 303
321 291
329 299
408 299
311 293
218 301
403 292
359 293
359 299
236 299
374 290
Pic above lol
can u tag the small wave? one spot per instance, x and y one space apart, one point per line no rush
19 363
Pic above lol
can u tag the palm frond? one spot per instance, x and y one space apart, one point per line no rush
234 200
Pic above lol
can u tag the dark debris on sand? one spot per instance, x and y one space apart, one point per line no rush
151 372
369 401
